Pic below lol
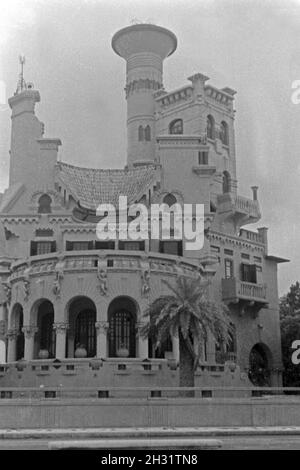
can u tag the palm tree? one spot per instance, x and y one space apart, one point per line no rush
189 315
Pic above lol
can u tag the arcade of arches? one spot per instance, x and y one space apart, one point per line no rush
81 330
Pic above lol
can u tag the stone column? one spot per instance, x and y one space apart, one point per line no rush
175 347
102 329
60 345
12 345
143 342
29 332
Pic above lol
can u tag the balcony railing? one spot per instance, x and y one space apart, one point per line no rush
251 236
116 260
234 290
235 205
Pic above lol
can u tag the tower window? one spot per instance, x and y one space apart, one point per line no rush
141 133
44 204
203 158
226 182
210 127
224 133
147 133
176 127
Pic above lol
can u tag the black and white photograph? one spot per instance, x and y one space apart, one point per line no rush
149 228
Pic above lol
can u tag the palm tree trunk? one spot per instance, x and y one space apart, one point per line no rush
186 367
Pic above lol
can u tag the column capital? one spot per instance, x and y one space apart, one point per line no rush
29 331
102 326
60 327
12 334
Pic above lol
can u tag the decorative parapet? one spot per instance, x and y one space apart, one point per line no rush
196 141
221 96
174 97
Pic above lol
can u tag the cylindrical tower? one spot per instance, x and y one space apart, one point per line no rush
144 47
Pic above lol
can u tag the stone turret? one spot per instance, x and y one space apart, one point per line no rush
144 47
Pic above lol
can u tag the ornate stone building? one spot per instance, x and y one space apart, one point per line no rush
66 294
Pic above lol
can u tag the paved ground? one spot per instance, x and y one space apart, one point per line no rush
229 443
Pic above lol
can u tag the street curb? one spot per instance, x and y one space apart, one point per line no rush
147 433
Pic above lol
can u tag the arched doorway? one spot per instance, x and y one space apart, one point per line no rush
17 323
82 331
260 365
122 314
45 338
85 331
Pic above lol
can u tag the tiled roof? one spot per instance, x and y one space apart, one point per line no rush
91 187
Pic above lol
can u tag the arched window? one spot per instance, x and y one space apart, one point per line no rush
47 340
176 127
224 133
169 199
44 204
147 133
122 323
226 182
141 134
85 331
210 127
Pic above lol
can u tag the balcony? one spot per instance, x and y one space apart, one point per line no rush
241 209
235 291
113 261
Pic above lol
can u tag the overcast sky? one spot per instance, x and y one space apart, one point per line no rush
251 46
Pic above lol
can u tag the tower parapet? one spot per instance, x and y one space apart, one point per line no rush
144 47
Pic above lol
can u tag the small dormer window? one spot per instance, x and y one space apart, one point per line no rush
44 204
176 127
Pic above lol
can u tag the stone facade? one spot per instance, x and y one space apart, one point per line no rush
63 293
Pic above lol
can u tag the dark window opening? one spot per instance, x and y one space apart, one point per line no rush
228 268
203 158
132 246
122 333
44 204
210 127
171 247
176 127
42 247
85 331
248 273
226 182
224 133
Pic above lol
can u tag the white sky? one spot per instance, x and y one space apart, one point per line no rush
251 46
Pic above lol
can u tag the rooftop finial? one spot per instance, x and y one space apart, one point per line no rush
21 82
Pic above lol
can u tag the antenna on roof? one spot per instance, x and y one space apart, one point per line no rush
21 82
